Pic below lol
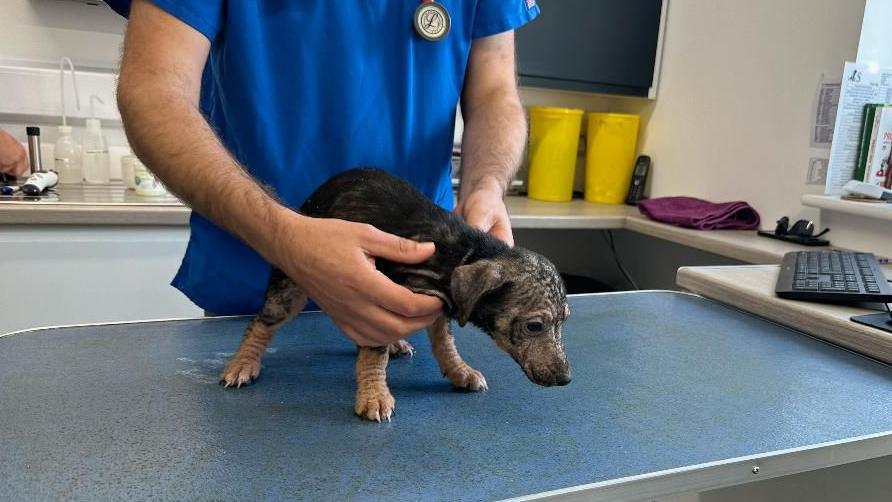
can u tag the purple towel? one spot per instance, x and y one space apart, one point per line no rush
700 214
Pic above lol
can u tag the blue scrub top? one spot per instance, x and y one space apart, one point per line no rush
300 90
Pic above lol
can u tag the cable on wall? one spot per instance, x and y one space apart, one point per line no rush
608 236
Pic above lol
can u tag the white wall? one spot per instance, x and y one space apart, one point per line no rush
737 94
42 31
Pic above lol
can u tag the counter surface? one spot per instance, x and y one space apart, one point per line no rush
112 206
92 205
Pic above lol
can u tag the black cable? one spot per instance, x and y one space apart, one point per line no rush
608 236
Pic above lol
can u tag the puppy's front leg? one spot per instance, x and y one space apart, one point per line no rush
284 299
373 399
451 364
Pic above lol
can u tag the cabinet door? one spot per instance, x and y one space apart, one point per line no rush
591 45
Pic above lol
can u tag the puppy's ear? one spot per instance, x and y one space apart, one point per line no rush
470 282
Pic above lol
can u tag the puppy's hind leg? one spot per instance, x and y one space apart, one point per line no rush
451 364
284 299
373 399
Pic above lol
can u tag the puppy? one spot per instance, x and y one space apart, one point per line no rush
514 295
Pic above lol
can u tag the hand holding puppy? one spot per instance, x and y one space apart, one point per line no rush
484 209
334 260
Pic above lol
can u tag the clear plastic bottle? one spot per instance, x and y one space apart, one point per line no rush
67 156
96 159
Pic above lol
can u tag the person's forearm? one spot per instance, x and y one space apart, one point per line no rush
493 143
171 136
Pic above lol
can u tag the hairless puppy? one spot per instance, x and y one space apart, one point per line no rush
514 295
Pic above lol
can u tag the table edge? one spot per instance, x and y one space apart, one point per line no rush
724 473
150 321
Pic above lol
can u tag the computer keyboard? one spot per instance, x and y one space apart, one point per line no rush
833 276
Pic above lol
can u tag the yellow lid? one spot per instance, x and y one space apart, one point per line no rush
614 116
556 111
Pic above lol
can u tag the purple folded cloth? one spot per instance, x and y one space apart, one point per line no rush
700 214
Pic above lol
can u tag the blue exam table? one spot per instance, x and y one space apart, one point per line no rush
671 393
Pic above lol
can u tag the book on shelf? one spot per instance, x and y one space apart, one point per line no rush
875 150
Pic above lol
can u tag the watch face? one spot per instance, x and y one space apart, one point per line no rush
432 21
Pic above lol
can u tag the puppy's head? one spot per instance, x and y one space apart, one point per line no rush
519 299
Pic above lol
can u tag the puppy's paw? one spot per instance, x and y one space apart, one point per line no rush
467 378
400 349
239 372
376 405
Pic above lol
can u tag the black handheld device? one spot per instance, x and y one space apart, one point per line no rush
639 180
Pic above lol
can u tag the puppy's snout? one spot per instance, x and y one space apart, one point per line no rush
556 375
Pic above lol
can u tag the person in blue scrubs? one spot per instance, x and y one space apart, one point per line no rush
243 108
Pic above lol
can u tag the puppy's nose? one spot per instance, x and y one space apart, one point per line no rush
562 380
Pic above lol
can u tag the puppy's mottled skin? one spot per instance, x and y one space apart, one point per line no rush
514 295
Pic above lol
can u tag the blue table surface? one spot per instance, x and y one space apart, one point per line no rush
660 381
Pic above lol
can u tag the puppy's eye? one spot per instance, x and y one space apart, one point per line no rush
535 327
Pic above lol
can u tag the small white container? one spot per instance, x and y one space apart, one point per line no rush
128 171
67 156
147 184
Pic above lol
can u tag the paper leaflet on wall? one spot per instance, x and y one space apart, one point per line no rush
862 85
825 112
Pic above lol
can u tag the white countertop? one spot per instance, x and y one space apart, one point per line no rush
112 205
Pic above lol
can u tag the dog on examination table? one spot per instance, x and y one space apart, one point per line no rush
514 295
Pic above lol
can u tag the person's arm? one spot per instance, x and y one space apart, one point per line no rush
494 137
12 155
158 95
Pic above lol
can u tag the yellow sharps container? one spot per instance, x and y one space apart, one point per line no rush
610 156
554 148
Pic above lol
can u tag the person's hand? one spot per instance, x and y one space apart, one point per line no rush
334 261
12 155
485 209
